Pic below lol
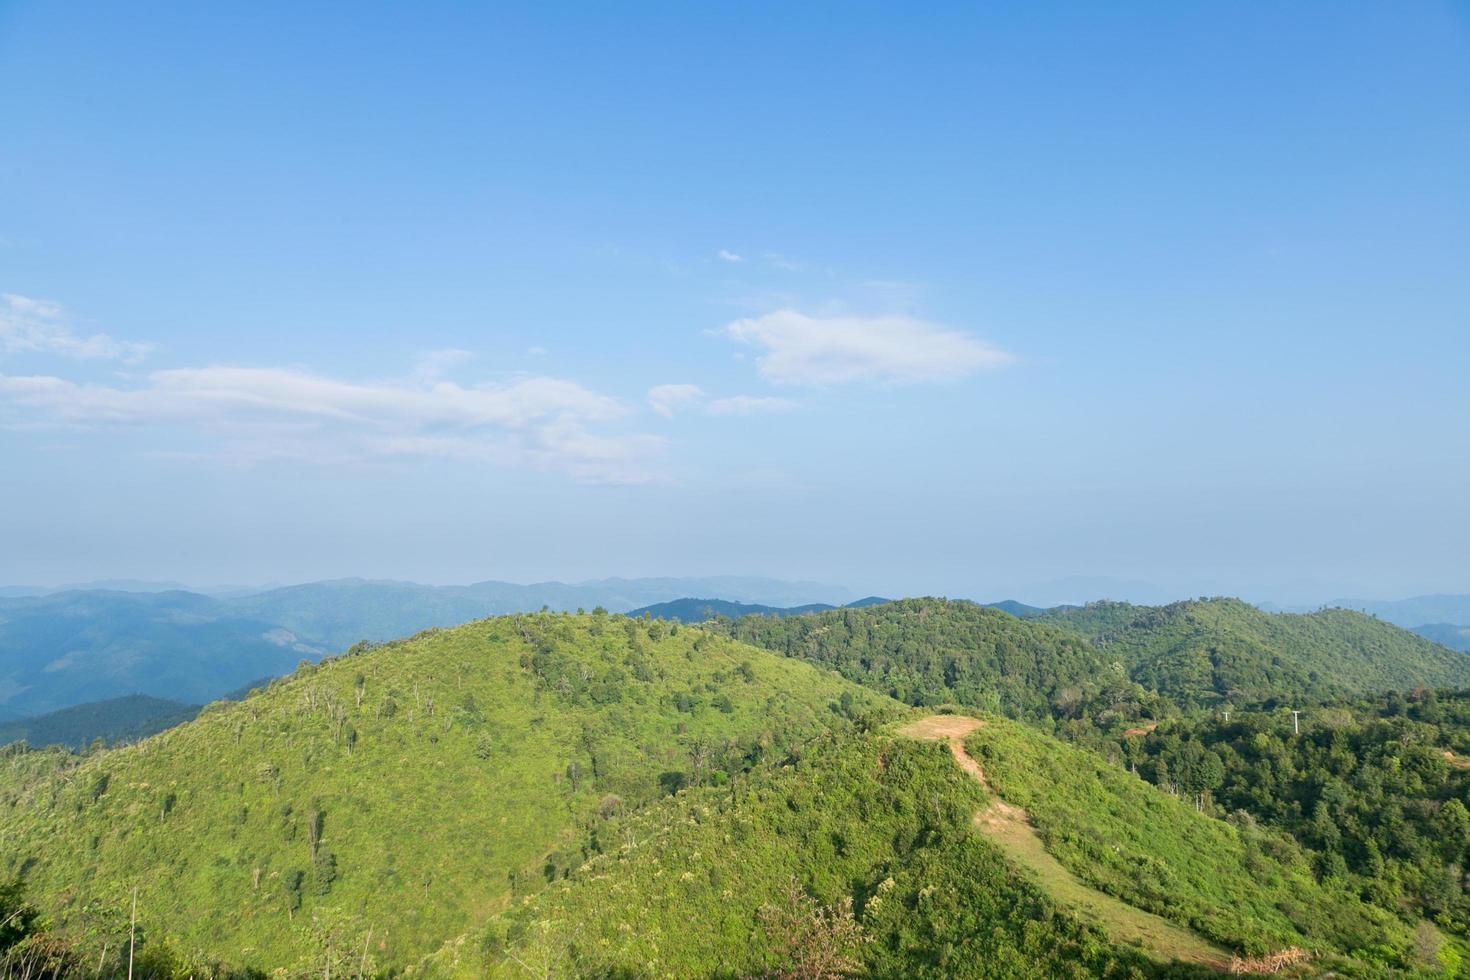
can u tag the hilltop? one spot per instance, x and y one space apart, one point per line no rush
1212 651
404 791
691 610
60 648
932 652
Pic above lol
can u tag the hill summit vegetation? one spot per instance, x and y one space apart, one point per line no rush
1224 651
600 795
396 796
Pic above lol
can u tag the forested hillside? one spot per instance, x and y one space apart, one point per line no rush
938 651
396 796
1376 792
701 610
861 854
869 851
1220 651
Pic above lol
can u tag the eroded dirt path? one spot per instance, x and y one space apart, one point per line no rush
1011 828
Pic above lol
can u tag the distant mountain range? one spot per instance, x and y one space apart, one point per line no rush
1415 611
59 649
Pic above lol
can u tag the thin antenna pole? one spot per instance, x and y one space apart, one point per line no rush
1296 727
132 932
362 967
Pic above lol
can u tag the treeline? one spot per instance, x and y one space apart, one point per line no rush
1377 791
931 652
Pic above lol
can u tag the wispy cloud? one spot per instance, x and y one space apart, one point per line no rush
730 256
35 326
251 414
828 350
668 399
749 405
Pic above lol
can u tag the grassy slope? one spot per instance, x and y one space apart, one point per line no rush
1224 649
1243 889
1011 829
677 890
456 788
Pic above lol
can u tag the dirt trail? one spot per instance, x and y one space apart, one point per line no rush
1011 828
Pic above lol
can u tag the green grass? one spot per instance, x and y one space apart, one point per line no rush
1242 888
409 791
678 889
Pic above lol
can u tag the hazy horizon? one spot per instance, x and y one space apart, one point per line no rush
1065 591
961 302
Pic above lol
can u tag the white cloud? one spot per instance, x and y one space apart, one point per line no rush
749 405
35 326
668 399
536 351
729 256
252 414
806 350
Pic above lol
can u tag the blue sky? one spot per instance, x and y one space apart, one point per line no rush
957 300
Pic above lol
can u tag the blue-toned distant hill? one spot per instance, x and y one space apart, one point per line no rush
74 647
703 610
1416 611
124 719
66 648
1446 634
1018 609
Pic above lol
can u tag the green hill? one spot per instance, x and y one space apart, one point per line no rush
702 610
1246 889
702 885
398 796
1224 650
937 651
871 849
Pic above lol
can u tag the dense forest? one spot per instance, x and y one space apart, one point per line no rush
1376 792
930 652
1226 652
